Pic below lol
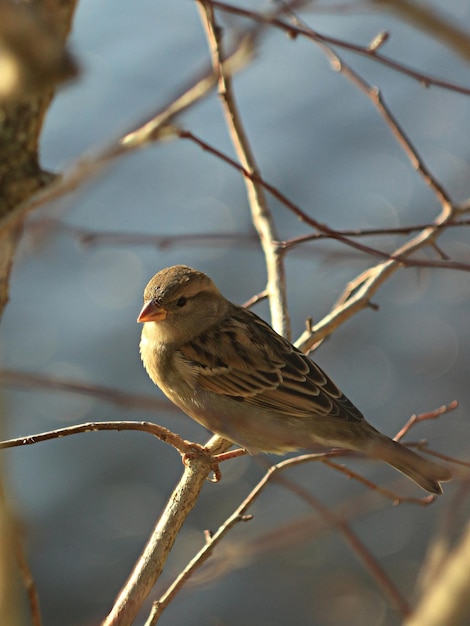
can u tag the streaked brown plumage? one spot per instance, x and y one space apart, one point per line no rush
231 372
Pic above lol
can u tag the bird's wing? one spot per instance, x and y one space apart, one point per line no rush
245 359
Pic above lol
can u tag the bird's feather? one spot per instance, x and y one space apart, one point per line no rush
264 370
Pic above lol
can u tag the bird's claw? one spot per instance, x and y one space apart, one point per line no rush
195 451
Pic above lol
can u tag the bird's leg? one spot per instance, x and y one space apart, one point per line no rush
230 454
196 450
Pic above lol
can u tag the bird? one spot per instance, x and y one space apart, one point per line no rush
230 371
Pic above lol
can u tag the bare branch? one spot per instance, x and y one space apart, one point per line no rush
370 281
260 212
422 417
293 31
400 256
162 433
150 563
89 237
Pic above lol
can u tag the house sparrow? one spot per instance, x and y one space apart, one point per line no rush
231 372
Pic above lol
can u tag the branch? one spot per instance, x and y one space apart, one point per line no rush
150 564
366 285
294 31
260 212
162 433
240 515
400 256
423 417
89 237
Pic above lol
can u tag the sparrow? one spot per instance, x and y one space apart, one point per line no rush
230 371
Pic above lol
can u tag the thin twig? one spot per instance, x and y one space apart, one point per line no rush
260 212
293 31
90 237
423 447
258 297
422 417
369 232
387 493
165 435
373 278
400 256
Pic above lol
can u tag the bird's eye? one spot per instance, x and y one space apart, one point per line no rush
181 301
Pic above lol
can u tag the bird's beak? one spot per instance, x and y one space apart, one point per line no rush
152 313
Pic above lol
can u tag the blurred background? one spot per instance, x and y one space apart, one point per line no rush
87 503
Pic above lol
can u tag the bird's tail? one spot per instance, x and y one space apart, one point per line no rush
427 474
